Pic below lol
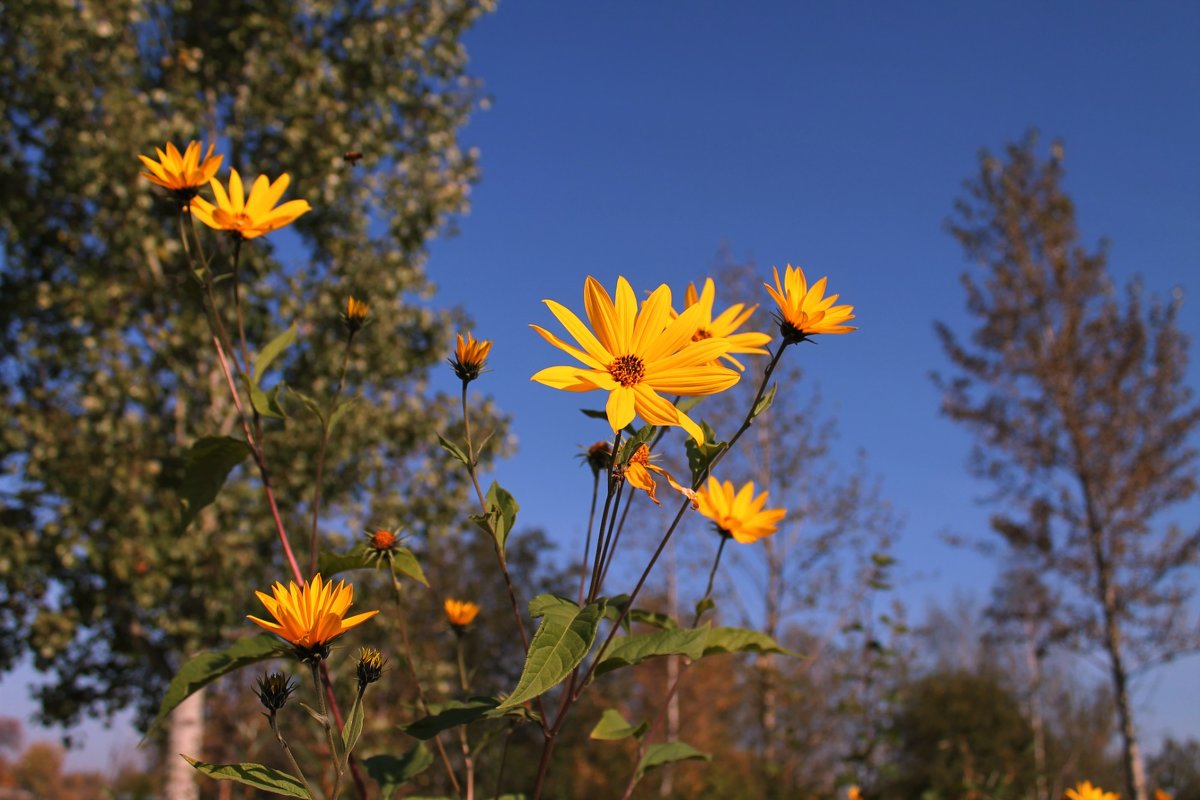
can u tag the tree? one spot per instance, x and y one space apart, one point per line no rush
1077 398
108 371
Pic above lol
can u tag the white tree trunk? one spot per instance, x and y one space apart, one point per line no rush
185 736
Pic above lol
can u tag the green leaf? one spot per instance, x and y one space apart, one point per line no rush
765 401
262 362
627 651
741 640
405 562
256 775
358 557
700 456
561 642
501 516
311 404
612 726
705 604
444 716
631 445
453 449
267 403
205 668
342 407
616 605
352 730
392 772
206 465
662 753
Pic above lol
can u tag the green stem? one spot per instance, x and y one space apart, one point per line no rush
330 732
299 773
325 433
587 543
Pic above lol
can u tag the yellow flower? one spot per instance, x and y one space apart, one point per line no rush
853 793
633 355
1159 794
182 174
1085 791
741 514
355 315
470 357
804 311
724 324
637 474
310 616
461 613
253 216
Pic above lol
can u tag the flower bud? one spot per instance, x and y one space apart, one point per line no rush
274 689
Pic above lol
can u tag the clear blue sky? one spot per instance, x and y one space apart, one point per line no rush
635 138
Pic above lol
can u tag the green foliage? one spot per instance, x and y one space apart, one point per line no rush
256 775
203 669
501 515
560 644
612 727
660 754
626 651
392 772
700 456
206 465
741 640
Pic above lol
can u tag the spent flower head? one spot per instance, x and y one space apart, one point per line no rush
598 457
273 690
738 513
182 175
310 616
803 310
370 667
635 354
249 217
355 315
637 475
382 540
460 613
470 357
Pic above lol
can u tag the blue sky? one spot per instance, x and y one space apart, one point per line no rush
636 138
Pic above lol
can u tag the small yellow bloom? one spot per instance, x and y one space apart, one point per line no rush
853 793
724 325
633 355
355 315
310 616
741 514
253 216
1085 791
470 357
182 174
637 474
1159 794
804 311
461 613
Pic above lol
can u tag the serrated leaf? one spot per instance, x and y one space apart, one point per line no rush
256 775
662 753
352 730
405 562
444 716
453 449
267 403
741 640
206 465
626 651
561 642
206 667
612 727
392 772
358 557
765 401
263 361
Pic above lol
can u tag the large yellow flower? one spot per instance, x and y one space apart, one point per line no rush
724 325
253 216
633 355
182 174
738 514
310 616
1085 791
804 311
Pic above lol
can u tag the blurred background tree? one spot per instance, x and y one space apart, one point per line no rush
108 371
1077 397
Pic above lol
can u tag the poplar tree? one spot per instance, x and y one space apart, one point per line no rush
1076 393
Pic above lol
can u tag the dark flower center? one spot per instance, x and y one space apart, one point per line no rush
627 370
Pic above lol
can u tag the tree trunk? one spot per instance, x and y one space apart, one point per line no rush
1135 773
185 736
1033 661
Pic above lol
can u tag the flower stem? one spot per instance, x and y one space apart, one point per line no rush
338 765
325 433
288 752
587 543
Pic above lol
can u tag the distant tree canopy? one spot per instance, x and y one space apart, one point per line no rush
108 373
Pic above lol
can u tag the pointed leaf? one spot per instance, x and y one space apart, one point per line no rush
561 642
342 407
263 361
405 562
700 456
612 726
311 404
256 775
392 772
205 668
352 730
358 557
267 403
741 640
661 753
503 508
626 651
444 716
765 401
631 445
206 465
453 449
